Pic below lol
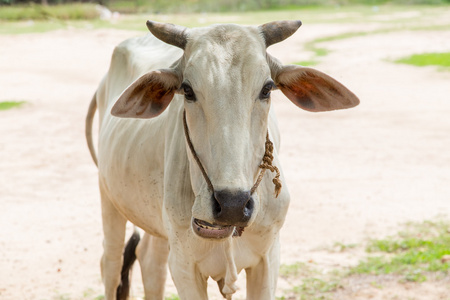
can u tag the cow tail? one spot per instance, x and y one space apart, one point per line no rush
88 129
129 257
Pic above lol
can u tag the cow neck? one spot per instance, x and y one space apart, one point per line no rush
266 164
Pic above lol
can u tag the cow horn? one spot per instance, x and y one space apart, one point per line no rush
169 33
278 31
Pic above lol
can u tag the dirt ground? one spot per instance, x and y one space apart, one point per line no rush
353 175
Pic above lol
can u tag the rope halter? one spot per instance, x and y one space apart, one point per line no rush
266 164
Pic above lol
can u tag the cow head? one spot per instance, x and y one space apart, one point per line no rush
226 77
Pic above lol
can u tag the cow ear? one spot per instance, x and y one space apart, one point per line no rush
148 96
313 90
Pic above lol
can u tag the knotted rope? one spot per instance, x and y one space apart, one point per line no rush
266 164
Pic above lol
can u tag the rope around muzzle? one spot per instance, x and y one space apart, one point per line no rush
266 164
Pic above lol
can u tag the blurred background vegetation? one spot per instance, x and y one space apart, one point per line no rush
17 10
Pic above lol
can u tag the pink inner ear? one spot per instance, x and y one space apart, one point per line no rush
300 97
148 96
155 100
315 91
311 92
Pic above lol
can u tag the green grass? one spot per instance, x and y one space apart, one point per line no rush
10 104
341 247
190 6
308 14
74 11
306 63
427 59
318 51
412 254
294 270
317 288
314 284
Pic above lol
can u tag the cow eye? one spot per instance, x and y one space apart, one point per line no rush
188 92
265 92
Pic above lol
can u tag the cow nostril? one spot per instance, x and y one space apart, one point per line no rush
249 205
217 209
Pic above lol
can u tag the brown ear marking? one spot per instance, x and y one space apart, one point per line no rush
147 97
153 101
301 98
313 90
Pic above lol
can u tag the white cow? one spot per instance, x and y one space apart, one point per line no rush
155 104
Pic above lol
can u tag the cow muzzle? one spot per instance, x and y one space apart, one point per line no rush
232 212
232 208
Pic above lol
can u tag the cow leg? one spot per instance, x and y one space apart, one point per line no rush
189 282
152 253
262 279
114 225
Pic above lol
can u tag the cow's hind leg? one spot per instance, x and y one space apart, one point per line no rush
152 253
114 235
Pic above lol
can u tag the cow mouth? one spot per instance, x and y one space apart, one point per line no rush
211 231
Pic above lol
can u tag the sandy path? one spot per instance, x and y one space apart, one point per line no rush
352 174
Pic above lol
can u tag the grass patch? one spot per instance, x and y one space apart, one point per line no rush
422 249
427 59
319 51
76 11
420 252
306 63
341 247
308 282
190 6
295 270
317 288
10 104
30 27
346 35
308 14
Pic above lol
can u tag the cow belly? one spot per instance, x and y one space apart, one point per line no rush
139 200
131 172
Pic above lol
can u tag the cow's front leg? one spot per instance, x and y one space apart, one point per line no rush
189 282
152 254
262 278
114 225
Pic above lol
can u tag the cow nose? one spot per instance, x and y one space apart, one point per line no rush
232 207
